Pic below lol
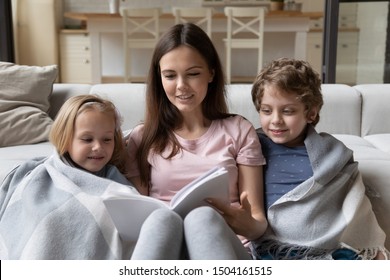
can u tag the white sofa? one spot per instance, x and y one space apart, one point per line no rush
359 116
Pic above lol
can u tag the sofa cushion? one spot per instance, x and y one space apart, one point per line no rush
375 108
373 165
129 99
380 141
62 92
341 112
377 190
24 95
12 156
239 101
362 148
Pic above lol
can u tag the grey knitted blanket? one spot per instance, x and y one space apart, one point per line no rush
329 210
49 210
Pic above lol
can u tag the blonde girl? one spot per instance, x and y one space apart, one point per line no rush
87 134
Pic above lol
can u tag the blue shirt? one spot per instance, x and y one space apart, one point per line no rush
286 168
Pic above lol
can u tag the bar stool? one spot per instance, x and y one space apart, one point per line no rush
141 29
199 16
245 30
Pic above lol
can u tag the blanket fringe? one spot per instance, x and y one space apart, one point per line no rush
371 253
273 249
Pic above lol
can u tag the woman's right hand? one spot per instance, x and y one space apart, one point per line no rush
240 218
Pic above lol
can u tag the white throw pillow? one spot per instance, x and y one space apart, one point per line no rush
24 102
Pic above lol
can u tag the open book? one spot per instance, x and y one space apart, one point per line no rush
129 211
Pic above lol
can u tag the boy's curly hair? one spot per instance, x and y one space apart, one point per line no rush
290 75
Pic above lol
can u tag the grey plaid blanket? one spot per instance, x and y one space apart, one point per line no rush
329 210
49 210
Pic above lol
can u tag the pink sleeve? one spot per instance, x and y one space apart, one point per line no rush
249 149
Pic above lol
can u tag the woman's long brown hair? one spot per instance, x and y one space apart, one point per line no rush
161 117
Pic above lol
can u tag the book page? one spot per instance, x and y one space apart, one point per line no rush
129 213
214 183
189 187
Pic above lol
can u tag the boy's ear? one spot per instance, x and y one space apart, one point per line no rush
312 114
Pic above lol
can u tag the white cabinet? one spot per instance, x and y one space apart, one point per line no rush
347 15
312 5
347 51
314 50
347 42
75 57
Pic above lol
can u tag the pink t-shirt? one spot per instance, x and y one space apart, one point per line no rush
227 142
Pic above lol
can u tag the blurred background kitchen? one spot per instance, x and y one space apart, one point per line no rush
56 32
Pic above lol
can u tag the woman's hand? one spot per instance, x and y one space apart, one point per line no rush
240 218
248 219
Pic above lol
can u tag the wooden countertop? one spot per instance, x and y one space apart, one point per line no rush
270 14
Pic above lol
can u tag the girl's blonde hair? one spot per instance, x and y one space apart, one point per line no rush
62 130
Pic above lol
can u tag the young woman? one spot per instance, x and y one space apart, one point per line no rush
188 130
